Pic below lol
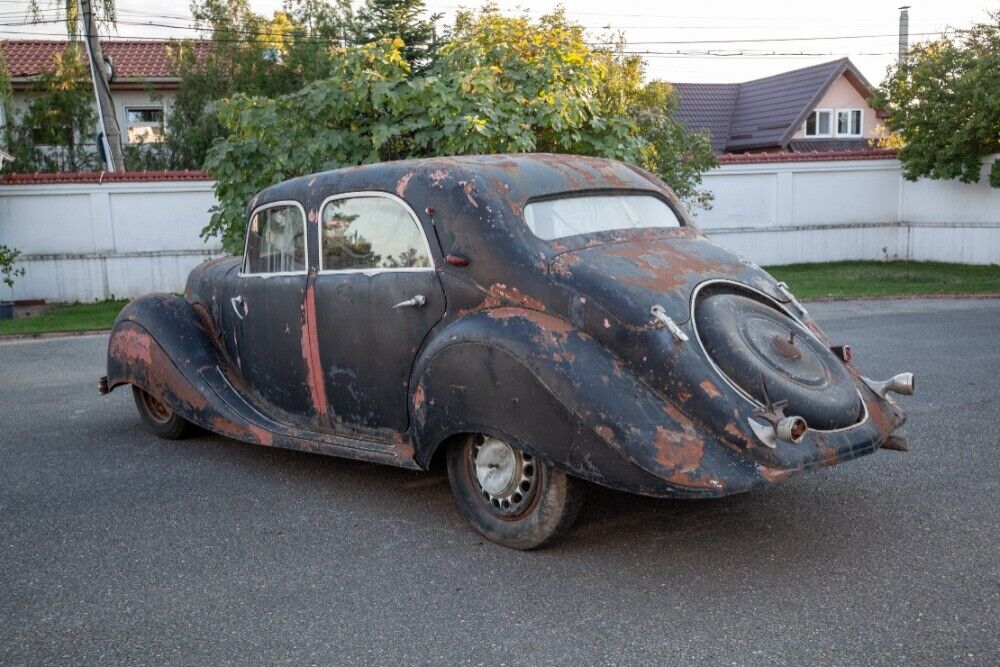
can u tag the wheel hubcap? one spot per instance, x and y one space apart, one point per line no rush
157 410
506 476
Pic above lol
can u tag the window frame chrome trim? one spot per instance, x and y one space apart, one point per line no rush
246 240
371 194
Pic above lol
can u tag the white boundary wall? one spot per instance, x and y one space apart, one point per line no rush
788 212
86 241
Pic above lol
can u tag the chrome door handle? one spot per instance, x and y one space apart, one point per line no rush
239 306
416 302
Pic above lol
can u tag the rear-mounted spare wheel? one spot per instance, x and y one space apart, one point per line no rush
750 341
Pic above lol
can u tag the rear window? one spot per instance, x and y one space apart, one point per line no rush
570 216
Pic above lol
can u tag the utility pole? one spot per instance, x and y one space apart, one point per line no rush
102 91
904 33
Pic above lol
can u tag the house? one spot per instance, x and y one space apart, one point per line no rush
142 83
819 108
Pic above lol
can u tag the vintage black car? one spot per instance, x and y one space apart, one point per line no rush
534 320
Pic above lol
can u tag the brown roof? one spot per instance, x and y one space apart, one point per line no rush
134 59
764 112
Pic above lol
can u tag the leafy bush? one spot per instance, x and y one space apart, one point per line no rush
944 101
501 84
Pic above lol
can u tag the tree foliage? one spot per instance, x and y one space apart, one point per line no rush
56 131
399 19
944 101
500 84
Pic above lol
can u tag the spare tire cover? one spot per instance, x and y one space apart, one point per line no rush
749 340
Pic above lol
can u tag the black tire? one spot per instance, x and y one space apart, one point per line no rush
161 419
532 522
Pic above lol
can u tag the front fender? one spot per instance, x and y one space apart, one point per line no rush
168 347
162 344
558 393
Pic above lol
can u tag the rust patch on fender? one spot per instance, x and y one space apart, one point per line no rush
501 295
402 183
709 389
680 453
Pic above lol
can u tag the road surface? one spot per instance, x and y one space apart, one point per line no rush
120 548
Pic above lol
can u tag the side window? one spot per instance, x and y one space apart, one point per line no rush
276 241
370 233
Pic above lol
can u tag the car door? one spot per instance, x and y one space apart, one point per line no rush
268 306
377 296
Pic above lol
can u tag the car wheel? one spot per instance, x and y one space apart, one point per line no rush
510 496
159 417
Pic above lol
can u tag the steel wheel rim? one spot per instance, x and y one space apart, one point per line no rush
156 409
506 478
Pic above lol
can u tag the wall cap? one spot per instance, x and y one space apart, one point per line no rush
101 177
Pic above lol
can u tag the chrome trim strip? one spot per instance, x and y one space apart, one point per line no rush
371 272
725 378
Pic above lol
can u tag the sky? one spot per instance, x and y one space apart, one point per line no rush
679 41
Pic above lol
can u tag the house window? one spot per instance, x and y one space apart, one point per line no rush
144 125
818 123
848 122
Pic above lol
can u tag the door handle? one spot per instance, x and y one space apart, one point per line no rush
239 306
416 302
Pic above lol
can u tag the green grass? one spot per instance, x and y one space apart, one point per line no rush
848 280
838 280
71 317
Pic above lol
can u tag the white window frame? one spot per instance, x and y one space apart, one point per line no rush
861 123
371 272
246 240
146 107
833 119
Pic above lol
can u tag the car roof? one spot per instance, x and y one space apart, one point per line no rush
512 178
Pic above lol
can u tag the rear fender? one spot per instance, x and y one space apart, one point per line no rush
559 394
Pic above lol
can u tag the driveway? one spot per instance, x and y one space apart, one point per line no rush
117 547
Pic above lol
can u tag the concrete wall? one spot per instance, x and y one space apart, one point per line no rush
787 212
88 241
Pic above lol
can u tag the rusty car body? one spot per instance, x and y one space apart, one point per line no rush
632 353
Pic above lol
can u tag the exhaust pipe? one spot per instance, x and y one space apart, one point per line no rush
791 429
902 383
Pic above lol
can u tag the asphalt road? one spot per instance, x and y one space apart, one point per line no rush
116 547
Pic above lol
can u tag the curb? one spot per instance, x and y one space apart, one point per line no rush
904 297
53 334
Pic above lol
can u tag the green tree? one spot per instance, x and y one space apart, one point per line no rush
501 84
944 101
355 116
247 54
402 19
56 132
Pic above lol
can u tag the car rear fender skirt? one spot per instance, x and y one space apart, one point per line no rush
553 390
166 346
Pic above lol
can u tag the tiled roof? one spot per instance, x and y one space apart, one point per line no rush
818 156
147 59
708 106
823 145
102 177
764 112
